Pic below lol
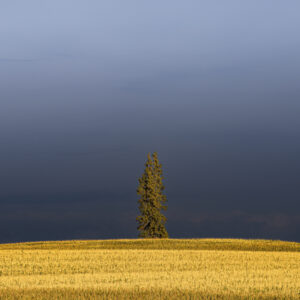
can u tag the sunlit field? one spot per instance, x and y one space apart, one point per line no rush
151 269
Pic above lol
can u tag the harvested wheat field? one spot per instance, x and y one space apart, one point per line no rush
151 269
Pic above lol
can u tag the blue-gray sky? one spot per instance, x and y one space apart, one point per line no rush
87 88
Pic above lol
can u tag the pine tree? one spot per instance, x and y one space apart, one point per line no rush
152 200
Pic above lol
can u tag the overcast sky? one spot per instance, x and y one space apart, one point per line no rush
88 88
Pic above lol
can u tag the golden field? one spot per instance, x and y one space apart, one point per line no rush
151 269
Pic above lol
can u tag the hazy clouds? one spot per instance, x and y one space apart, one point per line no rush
88 88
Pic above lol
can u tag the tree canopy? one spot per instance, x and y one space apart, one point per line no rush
152 201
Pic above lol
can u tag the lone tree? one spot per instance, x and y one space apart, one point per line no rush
152 200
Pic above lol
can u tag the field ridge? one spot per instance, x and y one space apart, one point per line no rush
160 244
151 269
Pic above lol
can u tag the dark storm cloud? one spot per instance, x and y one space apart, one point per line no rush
87 89
238 224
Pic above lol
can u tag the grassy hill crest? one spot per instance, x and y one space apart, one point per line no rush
163 244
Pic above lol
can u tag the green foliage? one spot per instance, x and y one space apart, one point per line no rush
152 200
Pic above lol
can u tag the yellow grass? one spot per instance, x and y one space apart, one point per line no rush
41 271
